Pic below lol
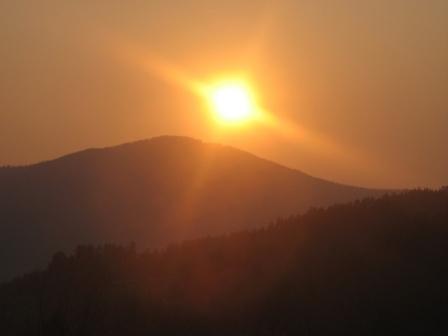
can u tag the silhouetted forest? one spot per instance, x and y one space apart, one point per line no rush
372 267
152 192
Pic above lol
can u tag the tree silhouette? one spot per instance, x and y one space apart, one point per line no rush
370 267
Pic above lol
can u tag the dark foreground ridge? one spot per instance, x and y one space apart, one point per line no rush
372 267
152 192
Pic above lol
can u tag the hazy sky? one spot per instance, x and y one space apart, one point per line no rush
370 77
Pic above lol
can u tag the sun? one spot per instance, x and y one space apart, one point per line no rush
232 101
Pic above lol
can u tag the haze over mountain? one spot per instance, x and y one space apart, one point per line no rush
372 267
150 192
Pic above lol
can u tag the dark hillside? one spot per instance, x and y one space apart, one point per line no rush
372 267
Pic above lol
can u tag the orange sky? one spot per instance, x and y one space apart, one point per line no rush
359 86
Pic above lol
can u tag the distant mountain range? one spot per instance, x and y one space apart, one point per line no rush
150 192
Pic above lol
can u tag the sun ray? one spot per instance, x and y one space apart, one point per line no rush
234 103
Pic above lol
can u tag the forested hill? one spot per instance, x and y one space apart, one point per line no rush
152 192
372 267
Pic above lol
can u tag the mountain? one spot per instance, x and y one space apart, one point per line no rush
371 267
151 192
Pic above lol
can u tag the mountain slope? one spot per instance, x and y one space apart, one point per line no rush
151 192
372 267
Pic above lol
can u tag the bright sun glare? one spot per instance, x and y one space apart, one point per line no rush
232 102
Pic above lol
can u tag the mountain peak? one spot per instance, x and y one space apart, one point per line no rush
160 140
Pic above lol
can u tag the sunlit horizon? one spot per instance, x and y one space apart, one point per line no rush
358 99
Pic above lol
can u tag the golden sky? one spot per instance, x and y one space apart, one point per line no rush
360 86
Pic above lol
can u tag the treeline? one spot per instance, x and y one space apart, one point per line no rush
372 267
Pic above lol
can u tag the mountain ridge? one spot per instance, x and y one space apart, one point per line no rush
152 192
185 139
